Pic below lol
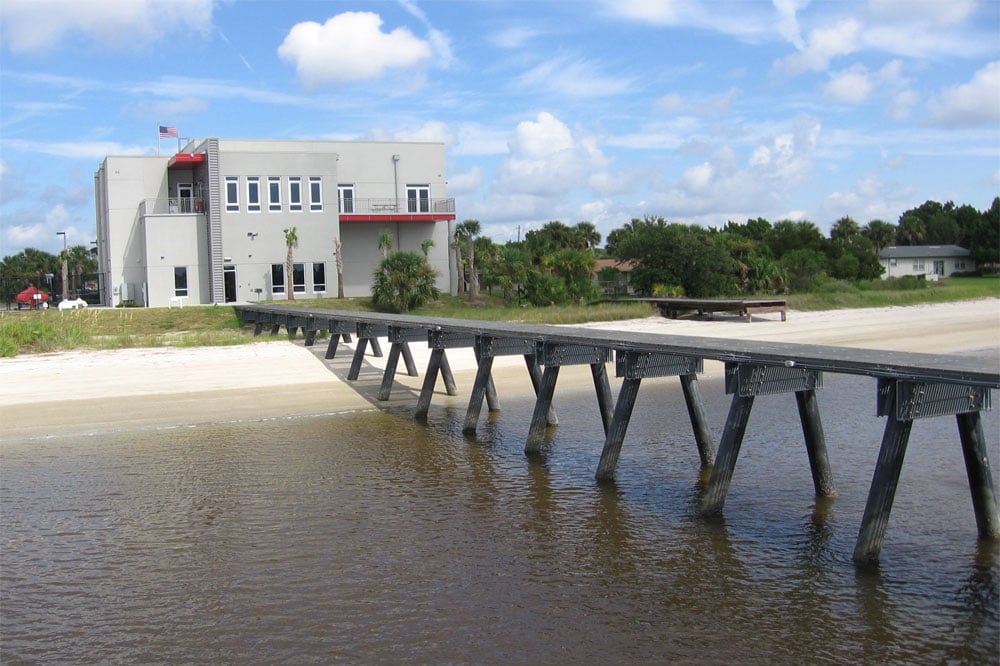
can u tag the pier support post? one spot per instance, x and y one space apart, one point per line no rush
427 390
258 326
535 374
883 490
729 451
390 371
479 389
977 467
605 403
627 395
902 401
357 359
745 381
553 355
634 366
699 420
540 417
812 430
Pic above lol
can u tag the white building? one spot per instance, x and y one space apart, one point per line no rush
931 261
207 225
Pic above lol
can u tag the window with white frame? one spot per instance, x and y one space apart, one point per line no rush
232 194
315 193
918 264
180 281
253 194
299 278
319 278
274 193
418 198
345 193
959 265
294 193
277 278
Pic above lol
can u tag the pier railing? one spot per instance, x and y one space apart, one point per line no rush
909 386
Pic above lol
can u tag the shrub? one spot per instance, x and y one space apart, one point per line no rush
403 280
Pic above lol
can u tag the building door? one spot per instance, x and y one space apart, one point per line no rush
939 268
185 197
229 280
418 198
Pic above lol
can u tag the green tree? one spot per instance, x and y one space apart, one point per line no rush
575 268
845 230
880 233
676 254
511 270
806 269
80 261
291 242
385 242
984 237
789 235
403 280
468 230
588 234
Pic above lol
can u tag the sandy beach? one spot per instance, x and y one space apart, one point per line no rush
48 395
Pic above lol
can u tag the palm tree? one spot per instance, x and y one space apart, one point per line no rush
80 261
468 230
844 230
291 242
426 246
456 244
880 233
385 242
339 260
588 233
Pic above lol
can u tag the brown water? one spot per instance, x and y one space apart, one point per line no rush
367 538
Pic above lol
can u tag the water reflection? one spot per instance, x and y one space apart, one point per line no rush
369 538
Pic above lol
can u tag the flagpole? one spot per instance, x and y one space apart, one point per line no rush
157 138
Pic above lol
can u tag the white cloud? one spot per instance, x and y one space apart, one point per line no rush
36 26
514 37
975 103
547 161
465 182
852 85
91 150
823 45
350 47
788 24
571 77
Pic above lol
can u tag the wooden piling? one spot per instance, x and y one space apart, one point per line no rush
699 419
540 416
812 430
729 451
627 395
977 467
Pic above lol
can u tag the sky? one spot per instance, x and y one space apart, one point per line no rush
701 112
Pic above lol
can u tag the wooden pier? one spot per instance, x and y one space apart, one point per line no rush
745 308
908 386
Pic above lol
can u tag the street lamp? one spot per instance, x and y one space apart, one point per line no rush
65 266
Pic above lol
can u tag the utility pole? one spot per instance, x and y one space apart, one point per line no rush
65 266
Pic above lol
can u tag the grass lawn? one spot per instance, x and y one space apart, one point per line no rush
106 328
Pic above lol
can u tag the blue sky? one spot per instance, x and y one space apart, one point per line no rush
700 112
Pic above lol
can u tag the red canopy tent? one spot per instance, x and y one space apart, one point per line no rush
33 296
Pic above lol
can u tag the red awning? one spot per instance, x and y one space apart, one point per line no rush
186 160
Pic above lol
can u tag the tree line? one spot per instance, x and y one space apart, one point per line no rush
555 264
44 270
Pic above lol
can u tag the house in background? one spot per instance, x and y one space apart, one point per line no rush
931 261
613 276
207 225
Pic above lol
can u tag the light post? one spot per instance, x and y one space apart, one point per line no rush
65 266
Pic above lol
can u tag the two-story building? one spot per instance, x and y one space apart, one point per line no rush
207 225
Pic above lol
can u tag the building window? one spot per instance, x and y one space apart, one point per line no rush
299 278
959 265
294 193
232 194
274 193
319 278
277 278
315 193
892 262
918 264
253 194
346 196
180 281
418 198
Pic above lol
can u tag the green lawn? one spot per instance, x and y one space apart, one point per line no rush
99 328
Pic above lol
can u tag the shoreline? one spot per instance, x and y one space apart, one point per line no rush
48 395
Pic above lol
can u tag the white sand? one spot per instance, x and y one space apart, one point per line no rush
177 385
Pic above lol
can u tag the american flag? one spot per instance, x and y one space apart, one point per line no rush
166 132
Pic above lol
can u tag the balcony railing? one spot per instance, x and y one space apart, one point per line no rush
172 206
392 206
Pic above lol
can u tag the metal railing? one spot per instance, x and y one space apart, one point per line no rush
394 205
172 206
